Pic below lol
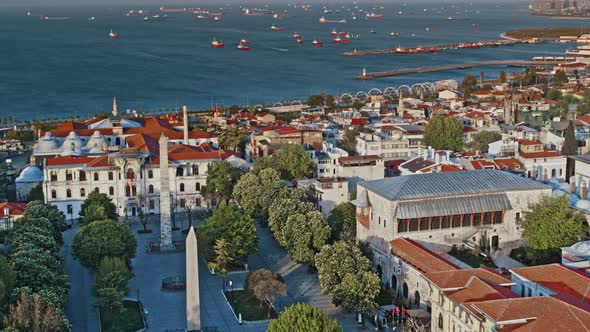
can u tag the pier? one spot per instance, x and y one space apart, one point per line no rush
435 48
510 63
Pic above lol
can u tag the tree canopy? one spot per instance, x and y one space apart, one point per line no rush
444 133
266 286
348 140
291 161
100 199
38 209
281 209
306 234
560 78
468 84
103 238
251 189
570 145
231 138
551 224
342 220
335 261
357 292
481 140
303 318
221 178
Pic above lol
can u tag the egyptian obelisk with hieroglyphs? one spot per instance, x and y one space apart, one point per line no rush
193 302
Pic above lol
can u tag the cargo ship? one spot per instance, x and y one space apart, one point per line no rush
373 15
243 47
276 28
173 10
325 20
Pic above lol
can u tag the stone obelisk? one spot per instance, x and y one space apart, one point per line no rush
193 301
165 221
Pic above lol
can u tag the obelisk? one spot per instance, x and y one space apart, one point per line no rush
165 221
193 301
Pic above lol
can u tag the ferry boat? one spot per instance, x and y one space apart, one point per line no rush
243 47
373 15
276 28
317 43
217 44
113 35
325 20
581 51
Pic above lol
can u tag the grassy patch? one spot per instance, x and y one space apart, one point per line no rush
251 309
129 320
531 257
554 32
472 260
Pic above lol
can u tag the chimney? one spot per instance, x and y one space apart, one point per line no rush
572 185
185 123
6 212
583 190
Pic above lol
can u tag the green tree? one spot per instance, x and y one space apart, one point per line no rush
223 258
560 78
468 84
101 239
221 178
93 212
281 209
342 220
266 285
231 224
315 101
101 199
551 224
554 94
348 140
444 133
231 138
38 209
570 145
306 235
357 105
251 187
7 279
357 292
294 162
303 318
502 77
561 108
112 272
335 261
36 194
482 139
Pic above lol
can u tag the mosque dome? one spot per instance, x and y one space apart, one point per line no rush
583 204
73 138
582 247
72 150
47 143
97 139
30 174
96 149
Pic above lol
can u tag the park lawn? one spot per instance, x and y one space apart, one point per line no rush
129 320
242 301
472 260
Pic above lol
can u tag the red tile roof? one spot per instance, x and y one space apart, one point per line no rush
418 256
558 278
14 209
483 164
459 278
69 160
541 154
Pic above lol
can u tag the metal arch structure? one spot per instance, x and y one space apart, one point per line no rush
349 96
258 107
296 102
446 85
375 92
390 91
278 104
402 88
363 94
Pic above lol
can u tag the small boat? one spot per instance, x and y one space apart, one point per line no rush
275 16
393 34
276 28
336 40
245 41
201 17
317 43
334 32
475 25
299 41
325 20
113 35
342 34
428 29
243 47
217 18
373 15
217 44
345 41
296 36
91 18
373 31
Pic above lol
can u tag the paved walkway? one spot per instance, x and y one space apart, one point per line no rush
80 309
502 258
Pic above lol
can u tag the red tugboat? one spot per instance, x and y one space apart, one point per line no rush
344 41
334 32
276 28
317 43
299 41
475 25
217 44
400 50
113 35
243 47
296 36
342 33
336 40
244 41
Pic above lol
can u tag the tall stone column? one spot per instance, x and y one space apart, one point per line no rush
185 124
193 301
165 220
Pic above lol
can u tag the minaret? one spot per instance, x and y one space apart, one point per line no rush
185 123
400 106
115 106
165 221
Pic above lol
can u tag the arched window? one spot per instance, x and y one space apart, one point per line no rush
195 169
134 191
111 176
182 187
446 222
130 174
82 192
435 223
118 141
151 189
198 201
182 202
456 221
69 193
417 299
69 176
96 190
95 176
53 176
111 191
405 291
82 176
198 186
440 321
127 190
151 204
487 218
150 174
53 194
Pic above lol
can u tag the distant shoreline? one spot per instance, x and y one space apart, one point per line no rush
545 33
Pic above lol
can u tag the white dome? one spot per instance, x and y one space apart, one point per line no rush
583 204
30 174
47 143
73 138
72 150
582 247
96 149
97 139
565 187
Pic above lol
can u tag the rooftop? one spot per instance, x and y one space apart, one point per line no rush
558 278
418 256
450 184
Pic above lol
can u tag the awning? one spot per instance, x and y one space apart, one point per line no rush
448 206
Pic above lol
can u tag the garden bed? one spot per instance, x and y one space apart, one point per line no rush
243 302
129 320
472 260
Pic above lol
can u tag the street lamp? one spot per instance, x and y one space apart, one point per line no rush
231 292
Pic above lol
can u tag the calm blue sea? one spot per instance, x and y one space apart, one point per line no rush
69 67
